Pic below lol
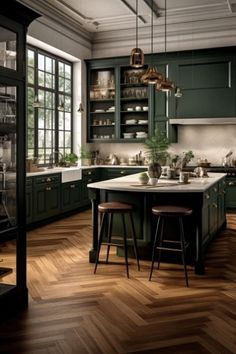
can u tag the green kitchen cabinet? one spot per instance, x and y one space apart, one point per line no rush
221 203
207 82
88 176
29 200
118 102
46 194
213 222
70 195
230 198
114 172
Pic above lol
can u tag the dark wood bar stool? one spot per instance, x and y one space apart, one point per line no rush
163 212
107 211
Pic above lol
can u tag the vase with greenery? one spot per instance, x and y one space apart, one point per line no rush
156 151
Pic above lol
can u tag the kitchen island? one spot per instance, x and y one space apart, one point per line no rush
206 196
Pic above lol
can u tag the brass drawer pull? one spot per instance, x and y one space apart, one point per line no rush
48 179
48 188
207 196
215 205
72 186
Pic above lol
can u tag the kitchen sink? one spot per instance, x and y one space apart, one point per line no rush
68 174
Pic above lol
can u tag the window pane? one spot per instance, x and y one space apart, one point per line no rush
67 121
67 139
30 57
41 139
61 69
41 78
41 97
48 99
67 104
30 138
30 75
67 86
61 84
48 81
49 138
48 124
48 65
30 117
61 138
41 118
61 120
41 65
67 71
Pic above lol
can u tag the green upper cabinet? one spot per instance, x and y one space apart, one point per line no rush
118 102
208 87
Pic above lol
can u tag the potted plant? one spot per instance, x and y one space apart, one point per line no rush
85 155
68 160
156 152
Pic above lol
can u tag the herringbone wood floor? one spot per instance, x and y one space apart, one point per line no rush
73 311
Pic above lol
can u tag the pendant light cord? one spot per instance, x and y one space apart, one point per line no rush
136 23
165 27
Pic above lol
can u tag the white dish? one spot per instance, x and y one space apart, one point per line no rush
130 109
99 110
138 108
145 108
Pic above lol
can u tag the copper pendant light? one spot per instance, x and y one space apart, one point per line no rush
165 85
152 75
137 56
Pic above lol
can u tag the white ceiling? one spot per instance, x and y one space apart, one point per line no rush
107 15
107 27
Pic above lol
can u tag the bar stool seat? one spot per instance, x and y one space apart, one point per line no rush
107 211
163 212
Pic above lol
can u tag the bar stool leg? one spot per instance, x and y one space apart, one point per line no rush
154 247
134 240
182 239
125 246
99 241
160 242
109 235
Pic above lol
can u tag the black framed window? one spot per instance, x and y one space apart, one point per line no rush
49 106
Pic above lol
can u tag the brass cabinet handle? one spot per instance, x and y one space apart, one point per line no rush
215 189
72 186
207 196
215 205
122 172
89 173
231 183
48 188
48 179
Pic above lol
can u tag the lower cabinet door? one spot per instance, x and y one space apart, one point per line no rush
47 201
70 195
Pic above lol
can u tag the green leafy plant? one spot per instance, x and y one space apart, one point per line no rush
68 159
85 153
156 147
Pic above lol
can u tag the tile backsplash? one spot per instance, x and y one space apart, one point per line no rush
212 142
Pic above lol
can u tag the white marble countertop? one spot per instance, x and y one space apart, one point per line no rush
47 171
131 184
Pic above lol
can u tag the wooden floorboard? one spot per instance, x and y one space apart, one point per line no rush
73 311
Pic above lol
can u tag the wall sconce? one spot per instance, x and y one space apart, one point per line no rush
61 106
81 108
36 103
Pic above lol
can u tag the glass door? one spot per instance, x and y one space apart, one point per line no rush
102 104
8 48
8 189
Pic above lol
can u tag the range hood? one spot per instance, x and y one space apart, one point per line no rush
203 121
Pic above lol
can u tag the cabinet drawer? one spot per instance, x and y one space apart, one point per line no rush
89 172
55 178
